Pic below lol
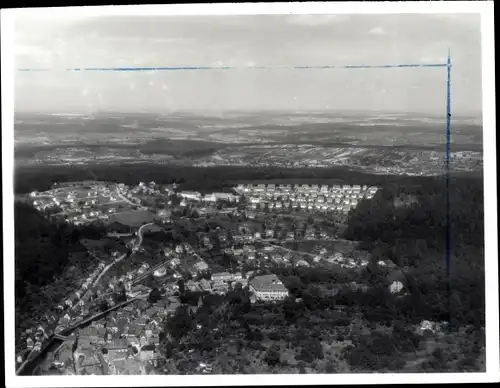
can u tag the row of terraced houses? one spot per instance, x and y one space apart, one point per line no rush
307 197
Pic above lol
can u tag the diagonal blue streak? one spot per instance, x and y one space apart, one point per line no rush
191 68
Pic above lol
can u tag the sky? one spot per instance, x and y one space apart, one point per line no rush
242 41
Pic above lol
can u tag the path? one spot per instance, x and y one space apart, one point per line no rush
117 260
291 250
120 234
105 269
136 245
119 193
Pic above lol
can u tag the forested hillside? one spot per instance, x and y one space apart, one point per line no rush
407 224
43 251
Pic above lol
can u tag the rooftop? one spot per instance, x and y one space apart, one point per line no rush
267 282
119 343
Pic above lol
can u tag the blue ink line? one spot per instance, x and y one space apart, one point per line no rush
188 68
447 166
447 161
447 178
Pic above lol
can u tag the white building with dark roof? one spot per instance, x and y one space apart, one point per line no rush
268 287
221 277
193 195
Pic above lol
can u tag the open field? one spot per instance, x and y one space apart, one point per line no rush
133 218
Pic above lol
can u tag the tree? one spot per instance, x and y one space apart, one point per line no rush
294 284
330 367
182 287
154 295
103 306
181 322
272 356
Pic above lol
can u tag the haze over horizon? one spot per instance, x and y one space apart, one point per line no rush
242 41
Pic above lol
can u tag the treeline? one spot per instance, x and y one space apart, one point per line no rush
425 214
206 179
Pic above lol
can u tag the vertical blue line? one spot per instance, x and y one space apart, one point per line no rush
447 178
447 161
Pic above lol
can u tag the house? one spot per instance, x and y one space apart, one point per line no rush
98 324
143 340
221 277
192 195
147 350
268 287
152 311
396 275
65 319
426 326
201 266
92 334
220 288
205 284
118 345
133 340
396 287
37 347
162 271
154 339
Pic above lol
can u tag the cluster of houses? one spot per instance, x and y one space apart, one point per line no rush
191 261
340 259
208 198
131 332
71 311
77 206
74 305
340 198
220 282
150 188
264 288
35 339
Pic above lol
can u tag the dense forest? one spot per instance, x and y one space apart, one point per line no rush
408 224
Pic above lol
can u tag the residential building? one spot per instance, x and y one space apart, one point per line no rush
162 271
192 195
396 287
221 277
268 287
205 285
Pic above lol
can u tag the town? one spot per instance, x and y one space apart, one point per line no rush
215 242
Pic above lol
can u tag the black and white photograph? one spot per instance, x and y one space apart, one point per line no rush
251 190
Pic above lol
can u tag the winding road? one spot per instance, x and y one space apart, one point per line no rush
137 243
291 250
119 193
117 260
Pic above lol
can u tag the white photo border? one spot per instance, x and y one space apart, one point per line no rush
492 373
